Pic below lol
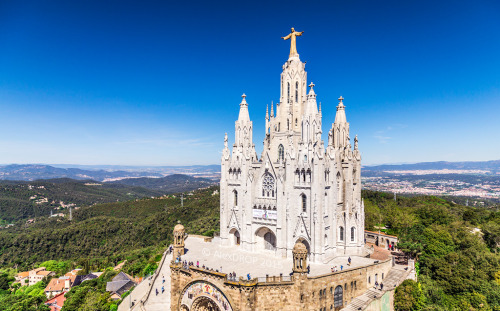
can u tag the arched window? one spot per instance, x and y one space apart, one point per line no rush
305 158
304 203
352 234
288 99
267 184
338 297
269 241
281 152
235 198
296 92
341 234
288 124
279 126
296 122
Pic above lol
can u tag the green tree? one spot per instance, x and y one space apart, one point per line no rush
408 296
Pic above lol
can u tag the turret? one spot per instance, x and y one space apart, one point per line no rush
340 128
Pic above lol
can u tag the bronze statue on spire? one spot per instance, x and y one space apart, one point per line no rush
293 44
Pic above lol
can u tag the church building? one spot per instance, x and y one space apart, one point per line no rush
300 188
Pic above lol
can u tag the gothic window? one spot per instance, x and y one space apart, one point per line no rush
296 122
341 233
305 158
352 234
288 91
288 124
304 203
281 152
268 184
235 198
296 92
338 299
279 126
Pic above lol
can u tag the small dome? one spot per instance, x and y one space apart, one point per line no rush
299 248
179 227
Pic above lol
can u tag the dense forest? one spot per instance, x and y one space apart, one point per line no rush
456 246
22 200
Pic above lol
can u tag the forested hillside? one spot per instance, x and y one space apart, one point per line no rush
456 246
21 200
108 232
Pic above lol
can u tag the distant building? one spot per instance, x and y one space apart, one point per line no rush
32 277
381 239
120 284
60 285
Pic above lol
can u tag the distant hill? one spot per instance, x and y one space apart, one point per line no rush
493 166
27 199
168 184
31 172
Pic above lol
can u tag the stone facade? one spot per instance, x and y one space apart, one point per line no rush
214 291
300 188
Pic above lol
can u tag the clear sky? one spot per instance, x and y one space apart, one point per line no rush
159 83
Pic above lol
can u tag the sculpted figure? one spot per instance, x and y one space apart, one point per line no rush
293 45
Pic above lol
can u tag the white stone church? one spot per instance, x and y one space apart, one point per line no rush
299 189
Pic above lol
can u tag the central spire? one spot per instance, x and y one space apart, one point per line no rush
293 45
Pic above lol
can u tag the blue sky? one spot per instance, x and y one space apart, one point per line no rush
159 83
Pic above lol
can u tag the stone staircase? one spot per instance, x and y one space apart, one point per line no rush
395 276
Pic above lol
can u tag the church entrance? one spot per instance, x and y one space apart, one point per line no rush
234 237
265 239
204 304
269 241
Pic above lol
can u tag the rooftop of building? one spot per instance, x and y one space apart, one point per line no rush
228 259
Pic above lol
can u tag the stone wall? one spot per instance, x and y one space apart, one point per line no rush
299 292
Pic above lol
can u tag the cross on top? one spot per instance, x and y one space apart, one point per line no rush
341 99
311 85
243 96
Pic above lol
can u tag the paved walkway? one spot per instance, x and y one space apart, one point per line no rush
234 259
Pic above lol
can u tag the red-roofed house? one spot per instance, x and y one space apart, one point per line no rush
56 303
57 286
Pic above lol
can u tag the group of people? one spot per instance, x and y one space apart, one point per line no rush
232 277
381 285
335 269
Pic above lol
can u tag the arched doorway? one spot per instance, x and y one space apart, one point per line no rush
235 237
204 303
203 296
269 241
265 239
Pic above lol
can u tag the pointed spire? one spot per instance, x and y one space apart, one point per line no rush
272 109
267 112
319 107
356 142
340 116
243 116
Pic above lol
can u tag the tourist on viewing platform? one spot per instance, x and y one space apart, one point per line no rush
381 286
376 285
162 289
341 267
248 276
156 291
197 264
349 261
